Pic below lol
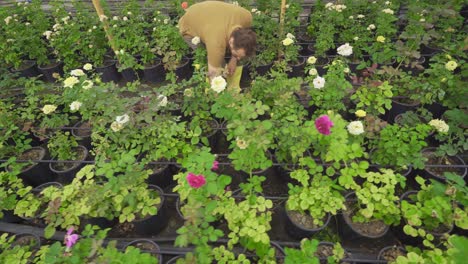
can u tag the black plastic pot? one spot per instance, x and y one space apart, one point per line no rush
320 65
455 160
162 176
82 135
399 107
66 176
324 259
222 144
174 259
36 219
436 109
154 73
10 217
153 224
298 231
297 70
346 229
184 71
262 70
38 173
212 135
27 69
384 250
414 241
27 239
429 50
49 70
128 74
102 222
108 71
246 79
144 244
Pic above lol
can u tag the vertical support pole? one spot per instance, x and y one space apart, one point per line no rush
105 23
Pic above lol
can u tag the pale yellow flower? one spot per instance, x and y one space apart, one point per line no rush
311 60
242 144
70 82
75 105
77 72
88 66
287 41
451 65
439 125
313 72
188 92
381 39
360 113
115 126
197 66
47 109
196 40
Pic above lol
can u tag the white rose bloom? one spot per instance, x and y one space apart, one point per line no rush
70 82
440 125
166 21
388 2
124 18
360 16
196 40
77 72
129 13
163 100
313 72
122 119
351 17
388 11
102 18
90 46
346 70
356 38
218 84
291 36
115 18
7 19
318 82
355 128
88 66
47 109
87 84
74 106
345 50
254 10
422 20
27 23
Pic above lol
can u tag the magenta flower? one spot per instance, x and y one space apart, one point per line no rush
215 165
196 181
70 239
323 124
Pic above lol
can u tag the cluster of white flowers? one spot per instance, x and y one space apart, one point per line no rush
255 11
345 50
75 105
355 128
371 27
338 8
388 11
319 82
218 84
440 125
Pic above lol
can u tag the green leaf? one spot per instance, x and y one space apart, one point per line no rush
49 231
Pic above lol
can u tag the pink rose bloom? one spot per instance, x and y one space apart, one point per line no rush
70 238
184 5
196 181
323 124
215 165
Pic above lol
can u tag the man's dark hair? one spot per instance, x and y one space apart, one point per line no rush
245 38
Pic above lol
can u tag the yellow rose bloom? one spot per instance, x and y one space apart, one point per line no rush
288 41
381 39
47 109
70 82
451 65
360 113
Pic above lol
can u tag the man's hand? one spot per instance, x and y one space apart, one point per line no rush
231 67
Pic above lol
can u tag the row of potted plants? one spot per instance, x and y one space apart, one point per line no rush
151 43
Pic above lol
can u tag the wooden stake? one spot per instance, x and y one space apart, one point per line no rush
281 24
105 23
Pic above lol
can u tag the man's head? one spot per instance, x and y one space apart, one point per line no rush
242 43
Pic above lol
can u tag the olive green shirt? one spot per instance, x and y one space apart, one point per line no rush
213 22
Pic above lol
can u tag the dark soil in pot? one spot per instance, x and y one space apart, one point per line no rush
26 239
49 70
65 166
82 131
35 173
371 229
438 172
390 254
325 250
304 220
